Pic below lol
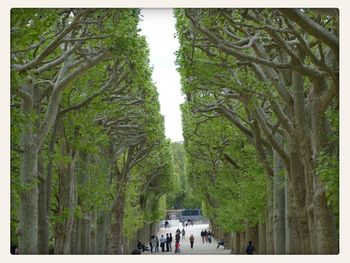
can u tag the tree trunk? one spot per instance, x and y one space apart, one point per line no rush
102 229
85 234
262 239
242 243
237 243
299 196
327 242
269 217
279 230
28 205
93 232
43 221
252 234
292 234
117 224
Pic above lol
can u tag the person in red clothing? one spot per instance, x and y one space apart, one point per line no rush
177 248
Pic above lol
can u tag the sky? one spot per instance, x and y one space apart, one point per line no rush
158 25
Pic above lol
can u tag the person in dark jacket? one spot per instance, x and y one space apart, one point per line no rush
167 242
221 243
170 242
250 250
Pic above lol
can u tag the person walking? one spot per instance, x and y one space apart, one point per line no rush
153 243
250 250
157 244
177 237
170 242
177 248
206 236
162 242
192 240
183 233
202 236
209 237
167 242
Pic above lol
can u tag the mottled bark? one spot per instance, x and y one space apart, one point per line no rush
43 221
28 205
236 243
102 230
327 242
279 230
117 224
269 218
262 239
292 231
85 235
299 196
93 232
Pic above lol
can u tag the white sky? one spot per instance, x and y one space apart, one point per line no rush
158 25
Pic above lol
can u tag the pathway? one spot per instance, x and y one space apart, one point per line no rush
198 248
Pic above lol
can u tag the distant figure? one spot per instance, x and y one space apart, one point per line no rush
162 242
166 224
177 238
221 243
170 242
191 240
206 236
209 236
153 243
167 242
157 244
250 250
183 233
202 236
16 251
177 248
142 247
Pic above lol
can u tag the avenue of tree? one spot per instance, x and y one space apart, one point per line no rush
90 164
260 124
92 171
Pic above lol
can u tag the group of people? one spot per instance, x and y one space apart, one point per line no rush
165 242
206 236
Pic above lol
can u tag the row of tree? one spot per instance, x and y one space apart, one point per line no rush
89 160
261 124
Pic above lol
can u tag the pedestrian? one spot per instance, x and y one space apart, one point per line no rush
177 248
167 242
202 236
209 237
162 242
153 243
206 236
170 242
250 250
157 244
141 247
221 243
192 240
177 237
183 233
